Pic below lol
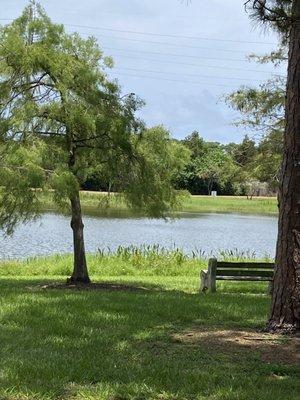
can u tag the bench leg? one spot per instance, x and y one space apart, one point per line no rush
212 274
203 281
208 277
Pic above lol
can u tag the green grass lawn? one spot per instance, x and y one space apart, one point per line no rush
97 202
258 205
122 345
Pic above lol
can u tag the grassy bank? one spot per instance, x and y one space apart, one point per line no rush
149 261
163 341
237 204
95 201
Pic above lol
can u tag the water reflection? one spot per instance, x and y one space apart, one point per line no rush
207 233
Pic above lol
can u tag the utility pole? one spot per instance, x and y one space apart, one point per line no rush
32 12
32 16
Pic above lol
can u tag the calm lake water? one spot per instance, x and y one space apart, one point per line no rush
207 233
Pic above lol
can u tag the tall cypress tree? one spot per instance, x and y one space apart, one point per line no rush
61 120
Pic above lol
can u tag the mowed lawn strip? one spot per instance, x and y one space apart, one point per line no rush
59 343
232 204
93 202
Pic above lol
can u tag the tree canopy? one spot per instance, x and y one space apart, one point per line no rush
262 111
62 120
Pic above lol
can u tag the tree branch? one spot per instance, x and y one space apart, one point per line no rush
265 13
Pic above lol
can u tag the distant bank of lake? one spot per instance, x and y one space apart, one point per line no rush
207 233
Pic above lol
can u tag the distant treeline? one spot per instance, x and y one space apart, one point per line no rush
245 168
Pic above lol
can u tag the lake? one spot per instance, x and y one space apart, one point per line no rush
200 233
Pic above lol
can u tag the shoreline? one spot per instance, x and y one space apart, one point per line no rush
97 203
125 261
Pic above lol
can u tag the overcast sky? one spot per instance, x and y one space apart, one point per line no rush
180 59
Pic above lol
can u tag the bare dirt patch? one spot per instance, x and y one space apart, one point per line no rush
272 348
91 286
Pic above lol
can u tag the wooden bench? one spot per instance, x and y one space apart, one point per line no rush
235 271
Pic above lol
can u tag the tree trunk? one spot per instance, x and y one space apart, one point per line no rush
209 187
285 307
80 272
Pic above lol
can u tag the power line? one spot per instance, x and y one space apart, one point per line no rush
179 55
161 43
185 74
192 75
176 55
167 35
199 65
171 54
172 80
151 41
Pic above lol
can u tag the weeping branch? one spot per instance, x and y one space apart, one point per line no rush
278 14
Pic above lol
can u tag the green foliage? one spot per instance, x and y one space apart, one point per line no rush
242 153
64 186
150 188
215 165
20 174
211 165
58 107
263 110
268 159
275 13
195 144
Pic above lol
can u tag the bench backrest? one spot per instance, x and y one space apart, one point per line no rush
256 271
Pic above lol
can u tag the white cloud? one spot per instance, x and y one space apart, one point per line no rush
181 106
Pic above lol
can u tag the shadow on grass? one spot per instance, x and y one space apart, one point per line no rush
119 345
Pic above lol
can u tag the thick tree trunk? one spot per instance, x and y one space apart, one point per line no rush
80 272
285 307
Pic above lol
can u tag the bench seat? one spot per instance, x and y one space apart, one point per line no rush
234 271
